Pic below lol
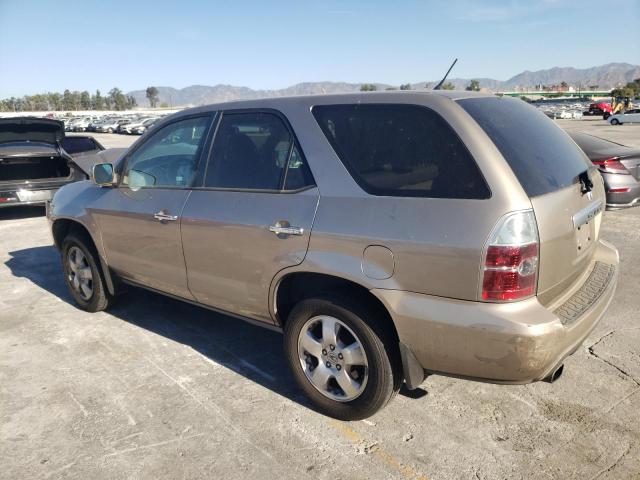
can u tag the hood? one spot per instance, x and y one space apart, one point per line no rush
31 129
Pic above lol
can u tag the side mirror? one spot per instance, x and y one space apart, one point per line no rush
103 175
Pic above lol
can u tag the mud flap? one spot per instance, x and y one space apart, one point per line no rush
413 371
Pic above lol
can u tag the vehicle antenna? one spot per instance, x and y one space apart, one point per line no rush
438 86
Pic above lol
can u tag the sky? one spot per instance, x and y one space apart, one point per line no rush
89 45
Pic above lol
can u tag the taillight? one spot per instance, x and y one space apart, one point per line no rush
611 165
510 263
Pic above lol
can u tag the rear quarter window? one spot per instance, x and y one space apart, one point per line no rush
542 156
401 151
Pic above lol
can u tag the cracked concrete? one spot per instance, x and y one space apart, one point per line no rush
612 466
159 389
623 372
634 352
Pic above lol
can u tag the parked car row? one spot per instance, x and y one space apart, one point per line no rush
564 114
123 124
565 110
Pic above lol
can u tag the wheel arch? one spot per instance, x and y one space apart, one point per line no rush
295 286
299 285
62 227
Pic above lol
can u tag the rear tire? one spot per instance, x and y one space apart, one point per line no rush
362 356
83 275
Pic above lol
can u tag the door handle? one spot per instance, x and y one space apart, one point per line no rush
283 228
165 217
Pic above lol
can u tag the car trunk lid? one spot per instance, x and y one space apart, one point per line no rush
565 189
631 163
27 129
569 228
600 150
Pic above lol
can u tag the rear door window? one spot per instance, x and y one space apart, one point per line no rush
401 150
541 155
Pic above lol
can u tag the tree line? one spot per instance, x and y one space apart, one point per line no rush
474 86
69 101
631 90
372 87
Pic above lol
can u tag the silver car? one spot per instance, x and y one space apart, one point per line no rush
388 235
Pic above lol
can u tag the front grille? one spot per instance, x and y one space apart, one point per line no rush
589 293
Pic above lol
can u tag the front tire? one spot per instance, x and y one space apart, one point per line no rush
83 275
615 121
342 356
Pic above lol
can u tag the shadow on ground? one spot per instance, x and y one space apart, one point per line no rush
249 350
19 213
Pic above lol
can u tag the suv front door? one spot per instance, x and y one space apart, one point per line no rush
140 219
252 215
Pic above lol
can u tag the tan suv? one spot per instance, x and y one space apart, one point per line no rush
388 235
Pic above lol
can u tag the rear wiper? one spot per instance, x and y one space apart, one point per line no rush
586 185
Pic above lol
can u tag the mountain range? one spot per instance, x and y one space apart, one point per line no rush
604 76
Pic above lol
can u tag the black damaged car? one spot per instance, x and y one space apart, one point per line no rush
36 158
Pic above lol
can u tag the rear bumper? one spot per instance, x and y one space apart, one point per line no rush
518 342
31 196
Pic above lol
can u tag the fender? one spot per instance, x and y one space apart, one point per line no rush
62 208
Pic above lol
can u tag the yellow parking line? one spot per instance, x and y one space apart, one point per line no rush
405 470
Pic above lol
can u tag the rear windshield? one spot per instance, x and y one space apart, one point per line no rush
79 144
542 156
401 150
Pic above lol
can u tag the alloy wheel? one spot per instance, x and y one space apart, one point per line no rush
333 358
80 276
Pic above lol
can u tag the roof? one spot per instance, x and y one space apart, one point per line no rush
308 101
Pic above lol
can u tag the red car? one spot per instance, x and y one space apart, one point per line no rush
599 108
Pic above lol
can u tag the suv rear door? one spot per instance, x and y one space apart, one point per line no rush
566 191
140 219
252 214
